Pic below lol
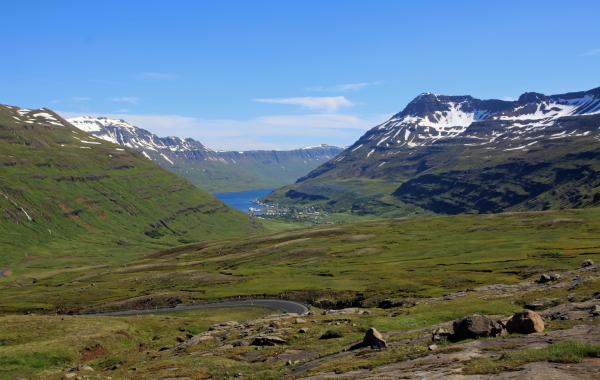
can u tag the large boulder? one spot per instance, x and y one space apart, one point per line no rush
525 322
475 326
541 304
373 339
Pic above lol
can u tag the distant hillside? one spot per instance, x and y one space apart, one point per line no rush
458 154
65 195
208 169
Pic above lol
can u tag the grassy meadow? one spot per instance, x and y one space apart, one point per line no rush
342 264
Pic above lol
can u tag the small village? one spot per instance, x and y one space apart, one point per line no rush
308 214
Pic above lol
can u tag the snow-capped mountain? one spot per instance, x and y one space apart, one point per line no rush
449 143
430 118
120 132
209 169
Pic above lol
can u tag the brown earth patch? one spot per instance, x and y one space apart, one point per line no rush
93 352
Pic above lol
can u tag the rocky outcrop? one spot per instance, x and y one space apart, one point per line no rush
541 304
548 277
587 263
268 340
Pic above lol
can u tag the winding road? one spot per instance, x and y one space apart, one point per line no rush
284 306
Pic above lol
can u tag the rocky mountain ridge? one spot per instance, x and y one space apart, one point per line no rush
207 168
430 119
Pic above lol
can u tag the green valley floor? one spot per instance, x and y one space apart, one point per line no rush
404 277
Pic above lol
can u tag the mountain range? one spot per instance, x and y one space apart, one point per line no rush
459 154
214 171
97 242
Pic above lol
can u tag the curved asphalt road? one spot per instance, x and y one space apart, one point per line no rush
284 306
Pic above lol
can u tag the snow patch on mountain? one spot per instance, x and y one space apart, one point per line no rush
546 112
44 115
455 118
167 159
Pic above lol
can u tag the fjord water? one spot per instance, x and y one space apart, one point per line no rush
243 200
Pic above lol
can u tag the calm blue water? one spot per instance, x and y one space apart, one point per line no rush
243 200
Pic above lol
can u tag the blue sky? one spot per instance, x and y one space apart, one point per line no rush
284 74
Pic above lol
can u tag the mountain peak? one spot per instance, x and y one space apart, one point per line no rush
425 95
531 97
427 103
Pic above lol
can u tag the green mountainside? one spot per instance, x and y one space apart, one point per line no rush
68 197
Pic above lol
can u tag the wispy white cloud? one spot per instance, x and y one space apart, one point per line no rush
344 87
592 52
157 75
265 132
509 98
327 103
126 99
